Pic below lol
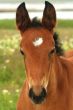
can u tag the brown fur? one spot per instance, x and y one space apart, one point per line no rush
42 68
69 54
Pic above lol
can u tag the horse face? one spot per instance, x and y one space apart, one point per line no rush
37 45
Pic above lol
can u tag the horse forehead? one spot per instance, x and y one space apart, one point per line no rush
32 33
37 36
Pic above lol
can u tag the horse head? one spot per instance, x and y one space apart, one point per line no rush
38 47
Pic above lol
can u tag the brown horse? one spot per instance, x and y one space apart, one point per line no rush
49 75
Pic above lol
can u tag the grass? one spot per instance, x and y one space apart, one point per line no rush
9 49
7 24
12 69
65 23
66 37
8 99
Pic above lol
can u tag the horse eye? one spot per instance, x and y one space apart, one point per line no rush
51 52
21 51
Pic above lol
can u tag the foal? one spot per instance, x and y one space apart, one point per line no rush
49 76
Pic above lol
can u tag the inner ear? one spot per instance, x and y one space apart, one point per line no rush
49 16
22 17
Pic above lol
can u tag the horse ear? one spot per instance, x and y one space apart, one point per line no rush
22 17
49 16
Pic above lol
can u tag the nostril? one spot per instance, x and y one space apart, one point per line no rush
37 99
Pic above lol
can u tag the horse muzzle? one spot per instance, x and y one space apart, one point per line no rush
39 96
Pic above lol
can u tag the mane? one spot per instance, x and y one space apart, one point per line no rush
58 46
36 23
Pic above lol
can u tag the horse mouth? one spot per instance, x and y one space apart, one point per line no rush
37 99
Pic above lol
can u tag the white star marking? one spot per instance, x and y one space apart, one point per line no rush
38 41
